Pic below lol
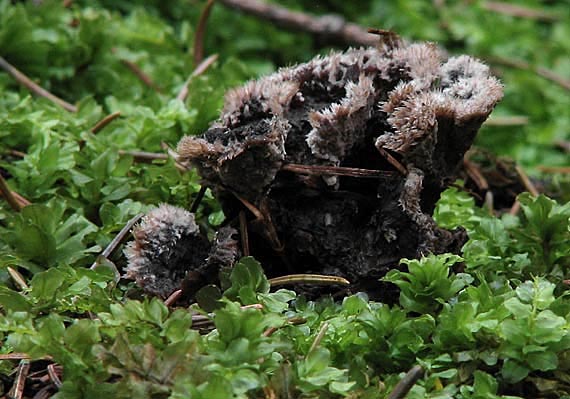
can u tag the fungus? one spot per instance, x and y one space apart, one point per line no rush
310 152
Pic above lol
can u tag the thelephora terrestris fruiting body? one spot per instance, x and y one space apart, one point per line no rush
338 162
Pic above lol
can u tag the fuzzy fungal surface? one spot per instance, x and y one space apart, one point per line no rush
338 162
169 252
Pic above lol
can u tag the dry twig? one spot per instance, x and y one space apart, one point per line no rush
18 279
316 279
143 156
17 390
319 170
198 199
541 71
554 169
506 121
118 238
526 181
201 32
406 383
173 297
54 371
514 10
200 69
143 77
9 195
105 121
243 233
33 87
319 337
329 26
14 356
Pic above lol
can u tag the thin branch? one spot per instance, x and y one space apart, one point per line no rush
143 156
44 393
541 71
475 174
316 279
182 167
554 169
19 280
393 161
9 195
143 77
519 11
17 153
118 238
515 208
54 375
243 233
293 321
173 297
23 201
200 69
105 121
252 208
406 383
319 170
528 185
17 390
201 32
14 356
506 121
319 337
329 26
198 199
33 87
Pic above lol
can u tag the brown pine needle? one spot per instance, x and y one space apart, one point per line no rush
105 121
332 27
529 186
34 87
143 77
23 201
406 383
14 356
201 32
9 195
541 71
319 170
393 161
198 199
319 337
507 121
243 233
173 297
118 238
475 174
17 390
19 280
554 169
200 69
518 11
53 375
143 156
316 279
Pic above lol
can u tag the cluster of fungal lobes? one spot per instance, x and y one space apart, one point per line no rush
408 100
352 109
